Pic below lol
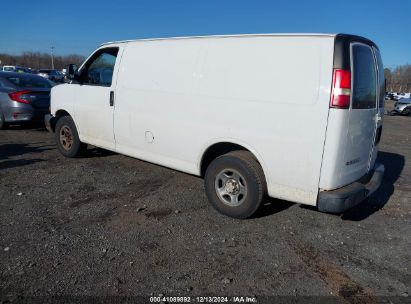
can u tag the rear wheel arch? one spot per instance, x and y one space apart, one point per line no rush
220 148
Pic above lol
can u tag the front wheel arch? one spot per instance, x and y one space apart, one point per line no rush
59 113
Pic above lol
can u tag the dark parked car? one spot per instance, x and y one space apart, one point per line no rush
52 75
23 98
389 96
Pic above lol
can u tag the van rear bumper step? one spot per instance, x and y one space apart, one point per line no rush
342 199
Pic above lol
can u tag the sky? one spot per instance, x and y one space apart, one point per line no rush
78 27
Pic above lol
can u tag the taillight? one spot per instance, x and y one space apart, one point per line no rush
341 93
17 96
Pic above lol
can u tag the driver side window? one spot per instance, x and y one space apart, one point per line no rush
99 70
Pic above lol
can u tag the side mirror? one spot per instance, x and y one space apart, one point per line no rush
71 71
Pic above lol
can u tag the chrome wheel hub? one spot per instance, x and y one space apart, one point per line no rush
230 187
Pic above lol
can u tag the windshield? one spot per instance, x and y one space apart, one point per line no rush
30 82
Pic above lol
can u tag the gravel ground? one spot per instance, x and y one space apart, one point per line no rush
107 224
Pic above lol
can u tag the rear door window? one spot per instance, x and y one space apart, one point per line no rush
364 78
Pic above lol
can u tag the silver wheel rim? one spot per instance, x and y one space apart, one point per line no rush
231 187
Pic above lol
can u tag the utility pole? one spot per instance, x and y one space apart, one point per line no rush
52 59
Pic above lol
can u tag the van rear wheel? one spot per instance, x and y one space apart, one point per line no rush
235 184
67 139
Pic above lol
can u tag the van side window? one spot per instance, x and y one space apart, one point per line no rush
99 70
365 83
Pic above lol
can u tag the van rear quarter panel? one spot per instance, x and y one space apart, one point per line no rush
270 94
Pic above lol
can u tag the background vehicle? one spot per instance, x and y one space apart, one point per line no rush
8 68
18 69
53 75
403 107
399 96
214 107
389 96
23 98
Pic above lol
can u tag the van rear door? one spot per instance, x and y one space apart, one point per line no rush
380 106
363 114
355 117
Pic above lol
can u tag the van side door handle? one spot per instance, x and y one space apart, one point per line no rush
111 98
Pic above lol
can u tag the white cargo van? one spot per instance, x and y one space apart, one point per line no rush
296 117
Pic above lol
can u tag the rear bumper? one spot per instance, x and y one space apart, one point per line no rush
24 114
342 199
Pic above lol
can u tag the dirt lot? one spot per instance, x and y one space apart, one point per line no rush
108 224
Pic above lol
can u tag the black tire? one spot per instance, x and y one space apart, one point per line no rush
3 124
251 176
71 146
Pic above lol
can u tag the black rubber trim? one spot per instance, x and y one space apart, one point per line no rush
50 122
342 199
342 49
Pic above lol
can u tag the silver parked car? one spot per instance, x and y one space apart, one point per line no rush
403 107
23 98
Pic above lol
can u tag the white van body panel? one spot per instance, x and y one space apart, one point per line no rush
62 97
175 98
334 150
96 129
195 92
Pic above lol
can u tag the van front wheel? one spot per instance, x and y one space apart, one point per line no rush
235 184
67 139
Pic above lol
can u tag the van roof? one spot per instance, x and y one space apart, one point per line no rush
226 36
